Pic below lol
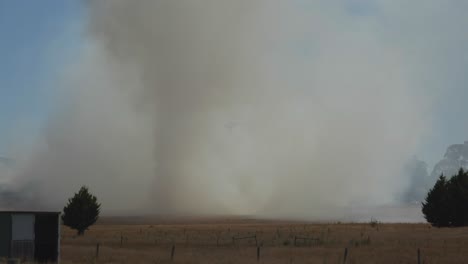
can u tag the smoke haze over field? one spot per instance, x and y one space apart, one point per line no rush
270 108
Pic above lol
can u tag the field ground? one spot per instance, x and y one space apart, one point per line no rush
211 241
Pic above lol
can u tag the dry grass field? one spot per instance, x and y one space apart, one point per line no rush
211 241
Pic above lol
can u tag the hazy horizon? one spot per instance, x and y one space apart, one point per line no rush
296 110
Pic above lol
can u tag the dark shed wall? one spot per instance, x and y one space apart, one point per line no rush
5 235
46 236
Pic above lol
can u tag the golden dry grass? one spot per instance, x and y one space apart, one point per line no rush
210 241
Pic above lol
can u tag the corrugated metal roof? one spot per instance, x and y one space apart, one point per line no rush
29 212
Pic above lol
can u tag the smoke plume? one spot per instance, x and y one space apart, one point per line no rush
269 108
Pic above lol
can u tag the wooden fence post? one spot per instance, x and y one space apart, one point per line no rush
172 252
97 250
419 256
345 255
258 253
218 236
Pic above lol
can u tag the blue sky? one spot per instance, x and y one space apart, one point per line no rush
35 39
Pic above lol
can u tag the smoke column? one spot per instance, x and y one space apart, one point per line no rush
202 107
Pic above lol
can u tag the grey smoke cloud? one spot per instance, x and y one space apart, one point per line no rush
296 109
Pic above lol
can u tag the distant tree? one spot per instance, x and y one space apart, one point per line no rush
446 204
82 211
419 181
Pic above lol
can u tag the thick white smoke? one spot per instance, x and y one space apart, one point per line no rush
271 108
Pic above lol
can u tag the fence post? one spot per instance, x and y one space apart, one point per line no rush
419 256
258 253
97 250
121 240
172 252
345 255
218 235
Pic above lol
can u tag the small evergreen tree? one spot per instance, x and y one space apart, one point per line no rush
457 188
435 207
82 211
446 203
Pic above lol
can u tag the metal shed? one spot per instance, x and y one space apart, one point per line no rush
30 235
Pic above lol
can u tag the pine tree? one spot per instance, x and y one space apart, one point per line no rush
82 211
436 206
446 204
458 197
